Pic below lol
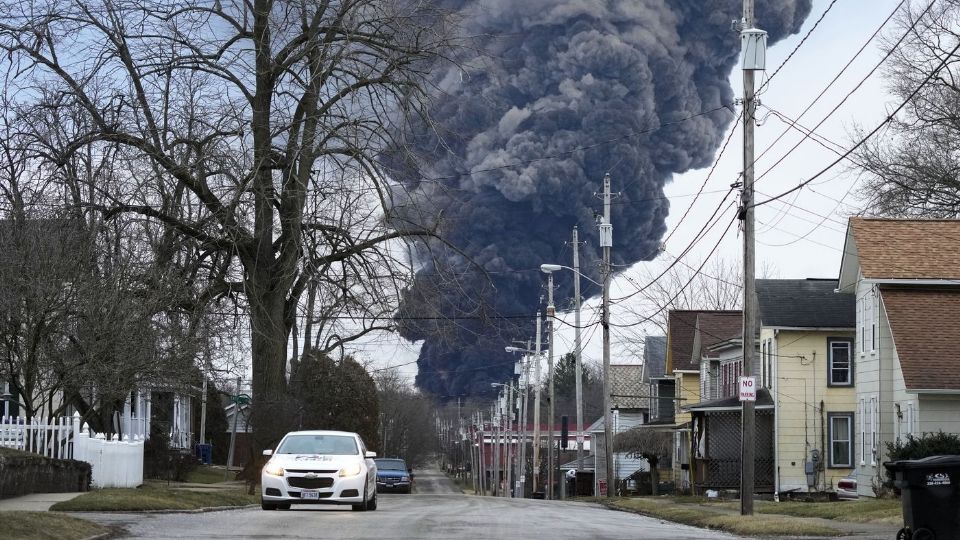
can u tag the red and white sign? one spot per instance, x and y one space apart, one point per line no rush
748 388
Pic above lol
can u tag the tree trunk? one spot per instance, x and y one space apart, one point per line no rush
654 477
269 353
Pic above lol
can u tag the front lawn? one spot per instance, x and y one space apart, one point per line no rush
47 526
208 475
698 516
154 498
859 511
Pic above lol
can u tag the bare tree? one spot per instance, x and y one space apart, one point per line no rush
912 169
241 127
649 444
407 426
684 285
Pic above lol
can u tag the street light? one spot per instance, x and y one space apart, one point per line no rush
578 346
550 268
525 378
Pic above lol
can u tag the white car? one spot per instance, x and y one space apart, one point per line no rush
319 467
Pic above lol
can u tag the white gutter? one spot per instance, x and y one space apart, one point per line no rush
928 391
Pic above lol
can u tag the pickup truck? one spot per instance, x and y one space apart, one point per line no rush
393 475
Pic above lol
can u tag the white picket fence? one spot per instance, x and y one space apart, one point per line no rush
114 463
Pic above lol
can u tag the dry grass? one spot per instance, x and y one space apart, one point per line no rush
698 516
860 511
47 526
154 498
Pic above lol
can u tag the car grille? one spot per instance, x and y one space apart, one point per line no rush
309 483
314 471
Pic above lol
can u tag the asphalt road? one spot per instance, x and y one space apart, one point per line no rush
442 513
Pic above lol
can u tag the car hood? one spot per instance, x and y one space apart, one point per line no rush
313 461
391 474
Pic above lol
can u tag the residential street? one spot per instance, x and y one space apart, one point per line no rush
436 512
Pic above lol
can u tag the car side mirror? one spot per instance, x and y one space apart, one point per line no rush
370 455
268 453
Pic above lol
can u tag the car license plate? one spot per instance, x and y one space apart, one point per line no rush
310 494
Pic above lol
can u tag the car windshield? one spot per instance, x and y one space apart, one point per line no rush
391 464
337 445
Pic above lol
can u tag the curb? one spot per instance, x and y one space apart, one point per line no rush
193 511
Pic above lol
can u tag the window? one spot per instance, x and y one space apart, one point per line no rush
770 373
867 335
763 363
875 310
841 440
910 418
860 413
839 362
861 319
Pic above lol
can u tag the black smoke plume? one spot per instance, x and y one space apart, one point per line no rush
558 93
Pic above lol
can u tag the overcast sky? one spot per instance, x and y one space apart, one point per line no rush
801 235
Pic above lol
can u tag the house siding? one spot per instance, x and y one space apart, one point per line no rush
800 386
877 378
688 393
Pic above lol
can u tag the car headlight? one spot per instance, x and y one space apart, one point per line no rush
351 470
273 469
404 478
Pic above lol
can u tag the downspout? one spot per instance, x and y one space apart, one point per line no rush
776 417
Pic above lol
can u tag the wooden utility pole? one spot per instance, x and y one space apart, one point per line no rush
536 412
748 417
606 242
551 313
578 348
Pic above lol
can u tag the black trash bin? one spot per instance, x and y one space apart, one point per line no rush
930 494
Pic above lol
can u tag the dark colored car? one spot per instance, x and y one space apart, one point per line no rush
393 475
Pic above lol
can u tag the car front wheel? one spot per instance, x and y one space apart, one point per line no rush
372 503
268 506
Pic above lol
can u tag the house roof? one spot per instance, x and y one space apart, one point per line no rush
805 303
627 388
906 248
716 327
764 401
925 325
654 356
681 329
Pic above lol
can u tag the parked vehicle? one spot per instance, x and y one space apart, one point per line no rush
394 475
847 487
319 467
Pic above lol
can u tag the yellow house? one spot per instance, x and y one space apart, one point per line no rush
807 363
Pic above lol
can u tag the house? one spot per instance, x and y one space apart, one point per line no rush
805 361
905 275
630 400
713 455
684 345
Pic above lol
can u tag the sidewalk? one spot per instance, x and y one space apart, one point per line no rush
35 502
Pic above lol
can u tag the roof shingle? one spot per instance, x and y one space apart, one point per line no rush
682 330
907 248
805 303
925 324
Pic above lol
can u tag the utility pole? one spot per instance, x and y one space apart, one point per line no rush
523 420
551 310
536 412
577 347
509 487
606 242
748 436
